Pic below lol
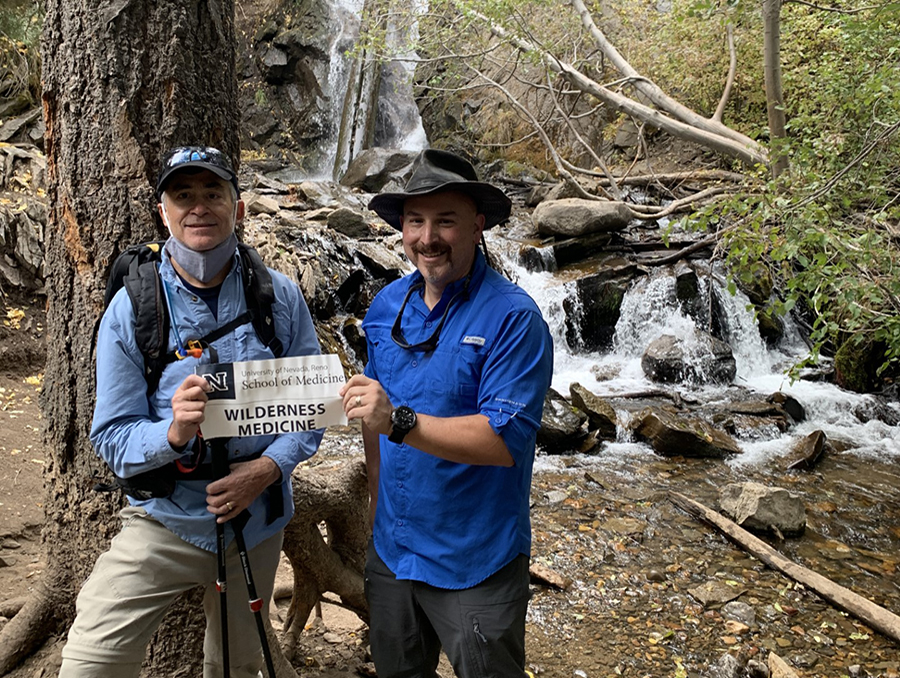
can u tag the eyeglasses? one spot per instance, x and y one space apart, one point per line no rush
431 342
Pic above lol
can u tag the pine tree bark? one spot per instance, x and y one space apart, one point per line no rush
122 82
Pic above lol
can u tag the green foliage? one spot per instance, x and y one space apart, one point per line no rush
20 30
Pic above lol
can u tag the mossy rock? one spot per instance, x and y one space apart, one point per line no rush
856 363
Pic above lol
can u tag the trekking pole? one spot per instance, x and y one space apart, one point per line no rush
256 603
220 470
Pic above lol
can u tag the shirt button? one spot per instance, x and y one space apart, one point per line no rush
399 484
193 298
415 363
429 324
400 522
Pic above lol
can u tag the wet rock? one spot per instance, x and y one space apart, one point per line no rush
703 359
592 315
757 507
790 404
757 669
736 628
675 436
562 425
381 262
728 666
656 575
601 416
573 250
808 451
576 217
715 591
741 612
537 259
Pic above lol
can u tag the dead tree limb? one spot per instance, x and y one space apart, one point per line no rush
554 154
682 253
681 205
613 186
875 616
669 178
748 152
732 72
652 91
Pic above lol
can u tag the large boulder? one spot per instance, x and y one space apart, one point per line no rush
701 359
601 416
574 217
562 425
758 507
673 436
372 169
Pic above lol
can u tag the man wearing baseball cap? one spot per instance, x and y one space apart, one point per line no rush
148 432
460 360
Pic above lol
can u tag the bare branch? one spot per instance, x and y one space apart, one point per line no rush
732 71
544 137
839 10
871 146
748 152
653 93
616 193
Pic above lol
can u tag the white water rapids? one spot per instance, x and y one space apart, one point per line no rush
649 311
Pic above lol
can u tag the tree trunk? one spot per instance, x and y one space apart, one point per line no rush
774 96
122 82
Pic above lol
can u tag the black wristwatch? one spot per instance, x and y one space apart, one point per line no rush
403 420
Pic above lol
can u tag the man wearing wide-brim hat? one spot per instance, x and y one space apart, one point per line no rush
460 360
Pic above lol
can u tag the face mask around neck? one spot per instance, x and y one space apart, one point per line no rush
203 266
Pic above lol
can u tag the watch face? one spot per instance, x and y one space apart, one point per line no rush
403 418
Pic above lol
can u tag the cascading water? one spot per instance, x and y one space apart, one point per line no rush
355 90
650 309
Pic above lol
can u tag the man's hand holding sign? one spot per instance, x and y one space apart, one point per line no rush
258 397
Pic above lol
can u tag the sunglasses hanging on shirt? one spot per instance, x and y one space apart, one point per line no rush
431 342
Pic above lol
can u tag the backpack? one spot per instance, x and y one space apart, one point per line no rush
136 269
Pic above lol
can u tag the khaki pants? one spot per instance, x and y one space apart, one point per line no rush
134 582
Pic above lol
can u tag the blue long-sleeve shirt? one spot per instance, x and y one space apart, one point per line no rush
448 524
130 428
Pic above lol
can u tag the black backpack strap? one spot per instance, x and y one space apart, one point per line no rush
151 318
260 295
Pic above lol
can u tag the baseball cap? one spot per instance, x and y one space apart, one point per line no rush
202 157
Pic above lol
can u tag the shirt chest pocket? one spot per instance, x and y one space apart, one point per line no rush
452 380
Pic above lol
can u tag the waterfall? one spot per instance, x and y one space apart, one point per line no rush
377 105
650 309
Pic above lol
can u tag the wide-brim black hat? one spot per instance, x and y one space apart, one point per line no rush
436 171
199 157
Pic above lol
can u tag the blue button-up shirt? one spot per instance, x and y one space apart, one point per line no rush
448 524
130 428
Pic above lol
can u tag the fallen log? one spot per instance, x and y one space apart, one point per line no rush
882 620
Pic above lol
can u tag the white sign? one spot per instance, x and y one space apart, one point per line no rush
268 397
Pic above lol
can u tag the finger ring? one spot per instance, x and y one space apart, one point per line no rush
358 401
229 505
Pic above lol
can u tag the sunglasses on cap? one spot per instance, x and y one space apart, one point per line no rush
201 157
